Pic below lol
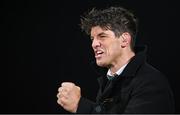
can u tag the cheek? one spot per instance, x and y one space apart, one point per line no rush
113 49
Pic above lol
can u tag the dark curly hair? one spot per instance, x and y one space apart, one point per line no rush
116 19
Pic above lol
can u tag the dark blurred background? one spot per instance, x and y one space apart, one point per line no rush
47 47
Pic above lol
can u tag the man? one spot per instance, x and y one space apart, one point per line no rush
131 85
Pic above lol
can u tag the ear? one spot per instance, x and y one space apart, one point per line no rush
126 39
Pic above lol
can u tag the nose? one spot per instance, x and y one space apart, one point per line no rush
95 43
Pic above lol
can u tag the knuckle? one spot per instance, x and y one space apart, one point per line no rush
67 84
58 95
60 89
78 88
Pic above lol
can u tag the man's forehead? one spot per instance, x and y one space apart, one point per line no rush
97 30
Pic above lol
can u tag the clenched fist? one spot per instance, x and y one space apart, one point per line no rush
68 96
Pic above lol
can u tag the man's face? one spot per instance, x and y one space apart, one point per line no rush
106 46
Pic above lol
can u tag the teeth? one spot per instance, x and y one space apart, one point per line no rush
98 52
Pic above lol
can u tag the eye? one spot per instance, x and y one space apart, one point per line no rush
92 38
102 36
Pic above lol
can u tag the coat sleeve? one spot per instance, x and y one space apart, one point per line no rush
85 106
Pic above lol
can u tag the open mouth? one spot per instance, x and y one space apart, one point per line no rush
98 54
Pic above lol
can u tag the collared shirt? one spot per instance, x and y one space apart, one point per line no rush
109 73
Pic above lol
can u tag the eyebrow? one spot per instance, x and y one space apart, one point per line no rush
100 34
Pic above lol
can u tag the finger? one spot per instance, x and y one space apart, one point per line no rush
67 84
58 95
63 89
60 89
63 101
63 94
78 88
60 103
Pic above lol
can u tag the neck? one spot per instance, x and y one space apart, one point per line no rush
124 59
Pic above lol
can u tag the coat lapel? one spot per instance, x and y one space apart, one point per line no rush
105 91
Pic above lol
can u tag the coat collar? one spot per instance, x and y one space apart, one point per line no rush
128 72
136 62
131 68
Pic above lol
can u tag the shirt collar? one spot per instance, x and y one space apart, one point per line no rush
117 73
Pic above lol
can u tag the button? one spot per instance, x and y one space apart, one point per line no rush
98 109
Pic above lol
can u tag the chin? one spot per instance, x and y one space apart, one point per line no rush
101 63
